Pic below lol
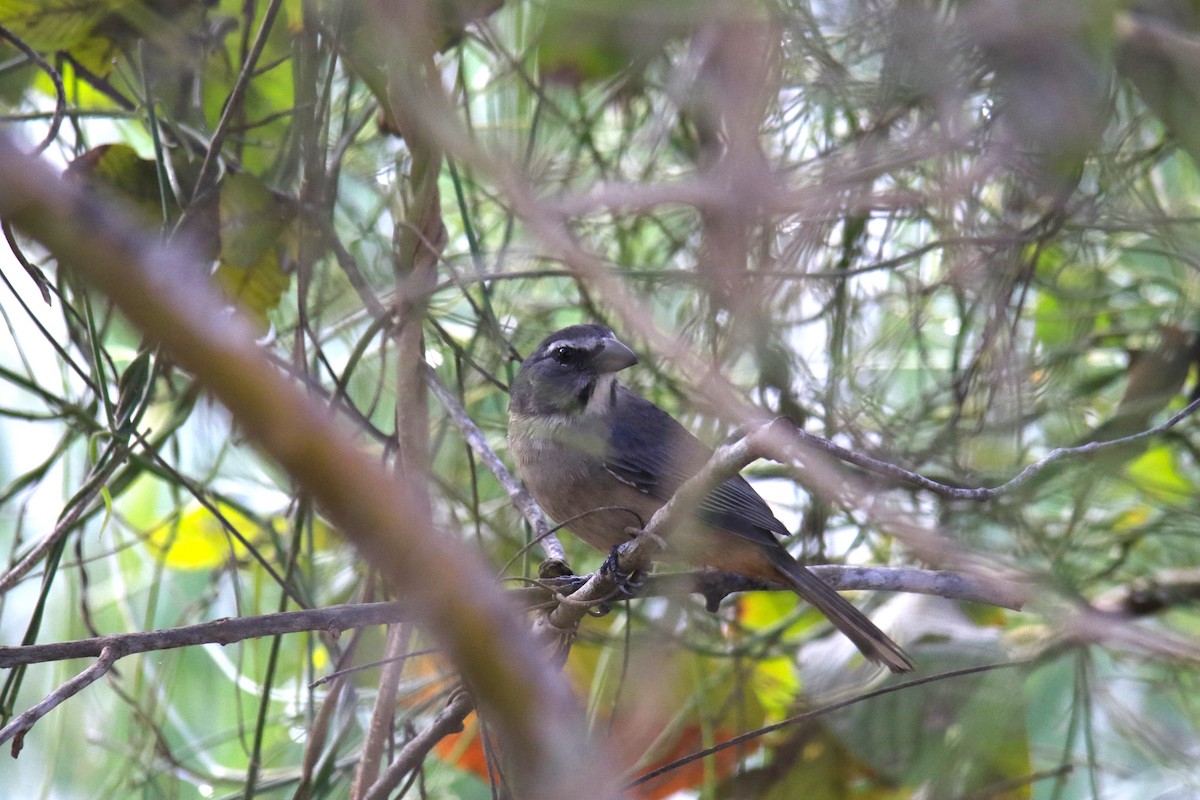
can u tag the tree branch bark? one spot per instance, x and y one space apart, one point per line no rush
336 619
164 291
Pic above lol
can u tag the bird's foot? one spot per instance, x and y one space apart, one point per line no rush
628 583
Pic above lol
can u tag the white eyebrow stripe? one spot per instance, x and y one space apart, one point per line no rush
586 344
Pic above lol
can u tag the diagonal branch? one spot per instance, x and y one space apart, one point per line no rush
81 504
164 292
762 441
449 720
478 442
17 729
233 104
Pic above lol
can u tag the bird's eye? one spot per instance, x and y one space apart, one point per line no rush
564 355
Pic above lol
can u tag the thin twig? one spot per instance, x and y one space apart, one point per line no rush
233 103
17 729
951 585
1086 625
379 731
1152 593
203 498
349 266
79 505
815 713
1011 786
899 474
60 92
478 442
448 721
334 620
43 284
342 673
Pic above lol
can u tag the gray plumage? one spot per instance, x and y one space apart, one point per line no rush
593 452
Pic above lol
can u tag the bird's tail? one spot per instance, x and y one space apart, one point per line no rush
872 642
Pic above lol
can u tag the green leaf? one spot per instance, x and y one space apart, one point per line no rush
256 244
1156 472
52 25
118 169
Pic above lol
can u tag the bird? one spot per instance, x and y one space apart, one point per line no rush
600 458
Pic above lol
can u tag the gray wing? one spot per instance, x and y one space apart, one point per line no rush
652 452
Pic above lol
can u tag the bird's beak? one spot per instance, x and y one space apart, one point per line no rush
614 356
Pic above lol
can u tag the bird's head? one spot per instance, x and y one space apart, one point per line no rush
573 371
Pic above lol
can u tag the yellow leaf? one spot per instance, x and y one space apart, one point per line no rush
199 541
1132 518
258 289
776 685
762 610
323 535
1156 473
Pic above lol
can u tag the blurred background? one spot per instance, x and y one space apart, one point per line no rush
948 235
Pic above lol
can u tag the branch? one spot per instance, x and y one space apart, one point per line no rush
478 442
233 104
60 102
727 461
715 586
17 729
1087 625
333 620
383 715
411 756
983 493
81 504
336 619
1152 594
164 292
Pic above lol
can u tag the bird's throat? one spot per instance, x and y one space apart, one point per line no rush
603 396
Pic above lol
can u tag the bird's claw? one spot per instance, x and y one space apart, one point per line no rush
628 584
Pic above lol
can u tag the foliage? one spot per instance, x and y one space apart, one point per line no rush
951 236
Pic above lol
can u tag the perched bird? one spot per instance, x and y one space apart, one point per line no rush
600 458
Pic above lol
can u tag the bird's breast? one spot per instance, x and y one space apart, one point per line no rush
563 467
